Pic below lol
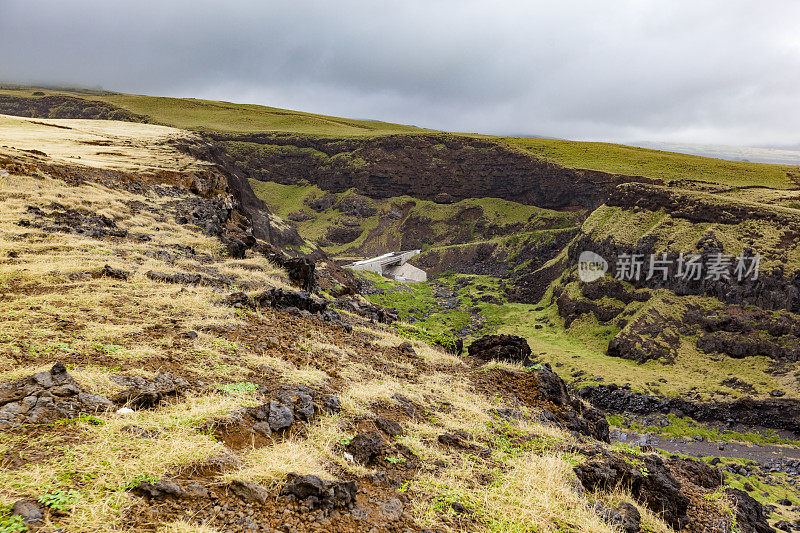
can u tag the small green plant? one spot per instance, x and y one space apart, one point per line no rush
12 524
108 349
138 480
61 500
88 419
243 387
345 440
396 459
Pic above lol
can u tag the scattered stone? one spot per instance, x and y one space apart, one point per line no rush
458 439
699 472
406 348
326 494
240 300
301 273
750 515
631 518
331 404
30 512
141 432
182 278
249 491
777 393
115 273
282 299
390 427
195 491
459 508
391 509
365 447
262 428
75 221
300 400
513 414
160 489
509 348
280 417
659 489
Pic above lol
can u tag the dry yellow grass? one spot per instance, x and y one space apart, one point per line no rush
98 143
106 460
57 310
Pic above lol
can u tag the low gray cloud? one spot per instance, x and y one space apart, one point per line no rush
672 70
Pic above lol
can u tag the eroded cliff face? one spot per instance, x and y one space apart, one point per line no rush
441 168
675 222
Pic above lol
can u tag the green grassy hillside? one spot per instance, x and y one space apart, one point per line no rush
350 225
667 166
227 117
210 115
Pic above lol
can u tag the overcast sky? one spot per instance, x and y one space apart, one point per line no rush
705 71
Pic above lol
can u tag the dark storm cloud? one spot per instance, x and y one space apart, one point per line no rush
684 71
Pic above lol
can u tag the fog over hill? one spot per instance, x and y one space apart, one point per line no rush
755 154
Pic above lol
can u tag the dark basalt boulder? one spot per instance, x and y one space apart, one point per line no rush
750 517
325 494
281 298
63 219
301 272
166 488
365 447
30 512
508 348
571 412
115 273
626 516
45 397
647 477
699 472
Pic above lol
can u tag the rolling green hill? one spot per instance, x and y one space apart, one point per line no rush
226 117
209 115
656 164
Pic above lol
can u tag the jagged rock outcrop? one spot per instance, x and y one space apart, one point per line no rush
261 224
647 477
319 493
64 107
509 348
775 288
773 413
750 516
543 390
45 397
